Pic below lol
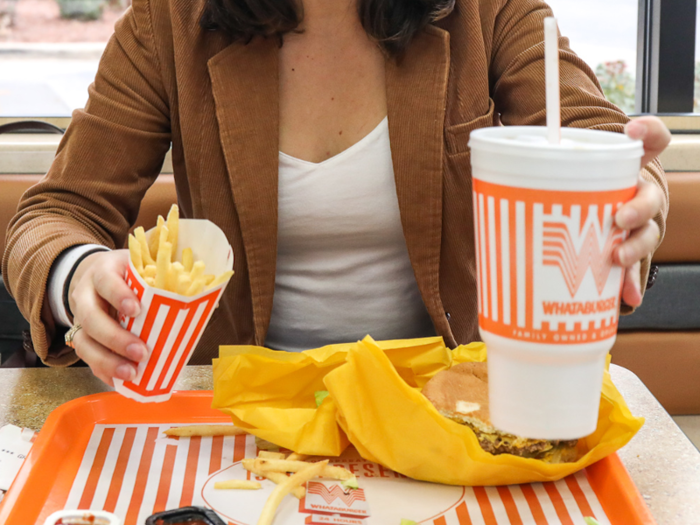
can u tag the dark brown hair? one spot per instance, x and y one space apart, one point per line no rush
392 23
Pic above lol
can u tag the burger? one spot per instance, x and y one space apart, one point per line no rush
462 395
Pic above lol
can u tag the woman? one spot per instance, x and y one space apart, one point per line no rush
328 139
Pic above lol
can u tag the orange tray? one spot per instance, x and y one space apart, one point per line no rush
47 475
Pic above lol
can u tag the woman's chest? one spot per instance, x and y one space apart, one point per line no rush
330 97
348 200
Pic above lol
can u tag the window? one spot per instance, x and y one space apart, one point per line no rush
696 101
604 34
50 53
643 52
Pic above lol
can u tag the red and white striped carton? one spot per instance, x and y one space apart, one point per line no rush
171 324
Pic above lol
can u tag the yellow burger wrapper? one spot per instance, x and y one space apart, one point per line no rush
375 404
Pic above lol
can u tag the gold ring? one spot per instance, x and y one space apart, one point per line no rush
70 335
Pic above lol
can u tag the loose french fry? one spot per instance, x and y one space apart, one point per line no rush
150 281
163 262
268 454
205 430
150 271
154 241
275 477
241 484
208 279
297 457
173 224
135 254
221 279
197 270
311 471
196 287
187 259
283 465
184 283
140 235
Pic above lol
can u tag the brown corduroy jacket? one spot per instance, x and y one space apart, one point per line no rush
163 80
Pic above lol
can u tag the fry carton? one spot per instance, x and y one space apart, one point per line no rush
169 323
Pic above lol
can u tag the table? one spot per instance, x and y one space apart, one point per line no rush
662 461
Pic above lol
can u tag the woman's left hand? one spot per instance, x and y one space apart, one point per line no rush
638 214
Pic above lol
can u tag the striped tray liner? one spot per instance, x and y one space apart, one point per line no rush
134 471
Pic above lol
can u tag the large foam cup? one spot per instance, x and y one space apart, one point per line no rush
171 324
548 291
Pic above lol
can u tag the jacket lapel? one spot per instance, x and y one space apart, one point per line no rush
416 98
245 85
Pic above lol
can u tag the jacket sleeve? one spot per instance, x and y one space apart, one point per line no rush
518 88
111 153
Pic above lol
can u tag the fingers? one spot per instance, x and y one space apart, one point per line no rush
631 287
652 132
644 206
104 363
641 243
110 285
101 327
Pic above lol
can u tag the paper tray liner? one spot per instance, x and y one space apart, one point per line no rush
105 452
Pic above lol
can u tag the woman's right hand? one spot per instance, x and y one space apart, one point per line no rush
97 294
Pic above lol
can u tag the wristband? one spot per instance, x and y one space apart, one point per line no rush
69 278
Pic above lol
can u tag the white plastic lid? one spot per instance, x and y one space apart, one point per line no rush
545 399
531 141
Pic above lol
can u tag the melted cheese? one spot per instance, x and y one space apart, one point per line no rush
466 407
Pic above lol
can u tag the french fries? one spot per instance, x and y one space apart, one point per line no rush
311 471
272 466
240 484
155 260
205 430
284 465
275 477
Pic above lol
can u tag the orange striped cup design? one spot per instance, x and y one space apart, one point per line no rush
544 263
171 328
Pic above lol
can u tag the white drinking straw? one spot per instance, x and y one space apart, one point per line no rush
551 67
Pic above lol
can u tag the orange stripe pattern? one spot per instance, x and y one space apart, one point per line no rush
166 475
141 478
190 472
509 504
96 470
159 474
161 368
558 503
528 240
115 486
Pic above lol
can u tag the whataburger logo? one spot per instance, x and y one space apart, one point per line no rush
525 240
561 237
336 493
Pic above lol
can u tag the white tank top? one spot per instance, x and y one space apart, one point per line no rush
342 265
